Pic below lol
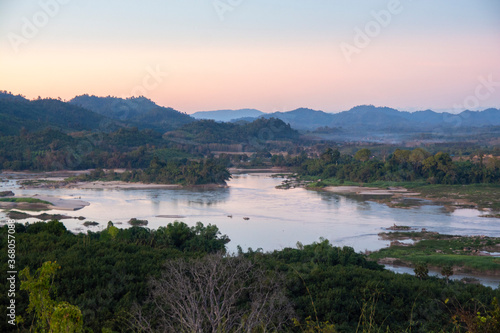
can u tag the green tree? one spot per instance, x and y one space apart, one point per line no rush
363 155
447 271
421 270
49 315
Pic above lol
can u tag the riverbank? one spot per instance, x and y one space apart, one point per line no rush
39 202
474 255
484 197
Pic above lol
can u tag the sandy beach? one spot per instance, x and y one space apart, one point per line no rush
100 185
359 190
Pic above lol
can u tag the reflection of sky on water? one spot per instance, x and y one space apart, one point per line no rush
278 218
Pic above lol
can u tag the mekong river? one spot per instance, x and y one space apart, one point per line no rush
277 218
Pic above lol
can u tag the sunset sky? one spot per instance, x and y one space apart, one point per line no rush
272 55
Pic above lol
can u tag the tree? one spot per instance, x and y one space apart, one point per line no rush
447 271
363 155
50 316
214 294
421 270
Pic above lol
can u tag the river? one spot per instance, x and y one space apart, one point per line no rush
277 218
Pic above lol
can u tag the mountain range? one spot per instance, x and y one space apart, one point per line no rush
227 115
87 112
371 118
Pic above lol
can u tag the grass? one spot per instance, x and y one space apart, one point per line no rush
441 250
28 200
35 182
480 195
483 195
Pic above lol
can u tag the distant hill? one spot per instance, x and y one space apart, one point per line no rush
17 112
227 115
370 118
210 131
135 111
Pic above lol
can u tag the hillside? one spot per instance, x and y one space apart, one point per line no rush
135 111
17 112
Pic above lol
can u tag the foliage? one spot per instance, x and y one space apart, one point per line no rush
49 315
254 133
106 273
209 171
421 270
442 250
401 166
103 273
28 200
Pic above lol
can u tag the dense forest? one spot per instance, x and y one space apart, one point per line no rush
129 279
401 166
209 131
185 172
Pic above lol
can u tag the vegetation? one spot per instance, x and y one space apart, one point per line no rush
49 315
28 200
136 222
185 172
258 131
313 288
401 166
459 252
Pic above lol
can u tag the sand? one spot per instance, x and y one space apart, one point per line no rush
359 190
100 185
56 203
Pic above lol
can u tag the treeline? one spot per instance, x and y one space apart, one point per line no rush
254 133
127 279
401 166
53 149
185 172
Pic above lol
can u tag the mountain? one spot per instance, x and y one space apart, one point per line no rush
368 118
18 112
227 115
135 111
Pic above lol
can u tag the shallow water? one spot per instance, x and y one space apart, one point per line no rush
277 218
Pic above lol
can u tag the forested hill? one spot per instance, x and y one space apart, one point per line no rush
137 111
17 112
209 131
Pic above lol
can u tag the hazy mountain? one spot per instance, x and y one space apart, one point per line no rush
227 115
135 111
370 118
17 112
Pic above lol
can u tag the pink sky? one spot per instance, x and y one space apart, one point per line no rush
266 70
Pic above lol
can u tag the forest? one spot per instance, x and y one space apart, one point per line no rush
400 166
137 279
184 172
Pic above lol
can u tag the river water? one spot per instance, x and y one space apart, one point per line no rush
277 218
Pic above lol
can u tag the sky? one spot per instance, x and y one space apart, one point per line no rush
271 55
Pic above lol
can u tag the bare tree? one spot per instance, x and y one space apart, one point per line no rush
216 293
